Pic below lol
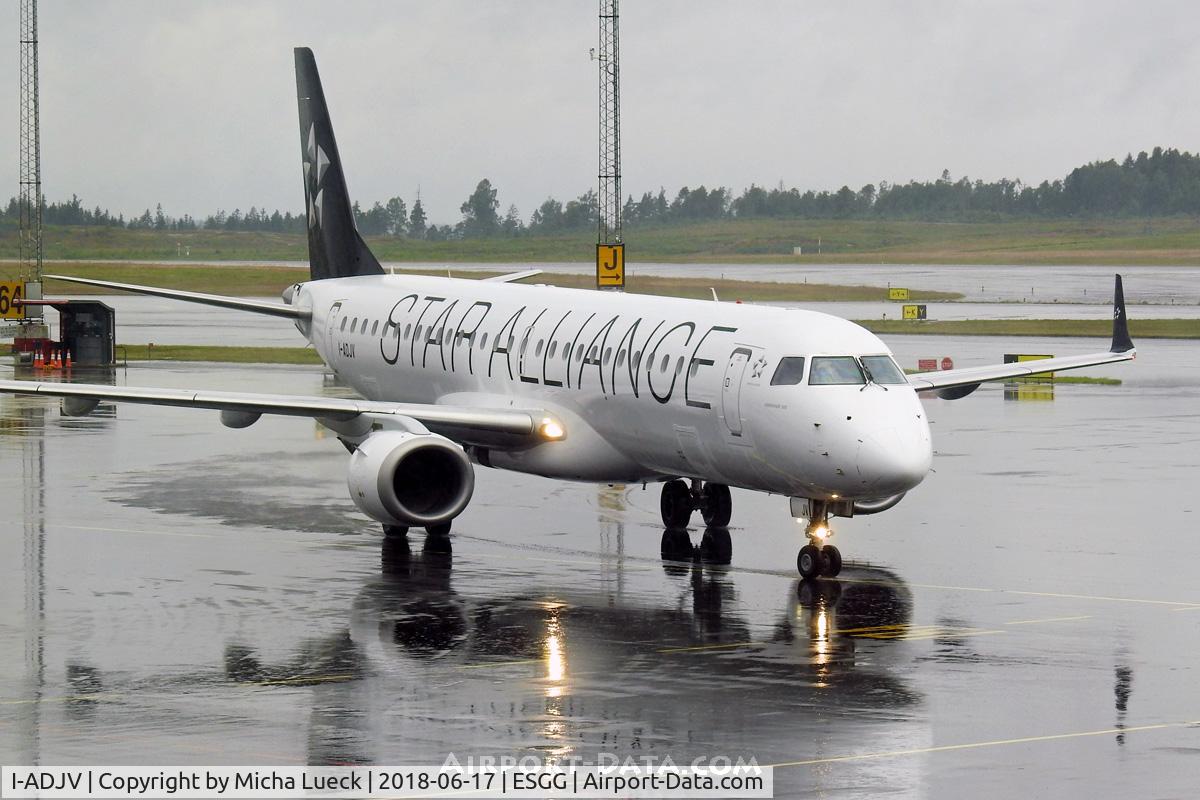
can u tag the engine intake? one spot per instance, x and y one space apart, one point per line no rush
410 479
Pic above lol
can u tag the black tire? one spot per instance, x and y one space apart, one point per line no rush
716 506
396 531
441 530
808 561
831 561
676 504
716 547
438 546
677 545
818 594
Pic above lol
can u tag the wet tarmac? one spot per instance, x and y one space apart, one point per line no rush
144 320
1025 623
978 283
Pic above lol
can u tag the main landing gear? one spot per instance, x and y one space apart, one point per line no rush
679 501
402 530
437 537
817 558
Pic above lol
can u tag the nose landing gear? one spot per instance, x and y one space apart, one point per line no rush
818 558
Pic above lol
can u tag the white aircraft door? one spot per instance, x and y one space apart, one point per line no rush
731 390
335 318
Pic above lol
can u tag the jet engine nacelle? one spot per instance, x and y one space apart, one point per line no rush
400 478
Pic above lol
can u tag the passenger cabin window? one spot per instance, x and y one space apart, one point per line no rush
835 371
883 370
789 372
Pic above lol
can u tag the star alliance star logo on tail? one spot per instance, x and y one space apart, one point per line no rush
315 164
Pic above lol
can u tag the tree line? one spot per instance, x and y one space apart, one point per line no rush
1160 183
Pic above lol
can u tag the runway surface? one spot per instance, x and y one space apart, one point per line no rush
144 320
978 283
1025 623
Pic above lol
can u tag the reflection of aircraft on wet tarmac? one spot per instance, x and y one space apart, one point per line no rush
577 385
575 640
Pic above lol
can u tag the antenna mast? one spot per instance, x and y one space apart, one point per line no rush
610 248
30 202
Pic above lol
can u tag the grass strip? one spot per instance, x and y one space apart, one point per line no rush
269 281
1096 328
218 353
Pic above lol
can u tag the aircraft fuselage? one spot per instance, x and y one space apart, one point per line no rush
647 387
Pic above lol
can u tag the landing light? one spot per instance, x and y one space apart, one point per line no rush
820 532
551 430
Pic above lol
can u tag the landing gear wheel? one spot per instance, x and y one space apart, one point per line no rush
831 561
716 506
395 531
815 594
808 562
440 530
676 504
676 545
715 546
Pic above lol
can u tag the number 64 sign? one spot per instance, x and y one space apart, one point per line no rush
11 291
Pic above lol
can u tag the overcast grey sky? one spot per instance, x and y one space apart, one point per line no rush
193 104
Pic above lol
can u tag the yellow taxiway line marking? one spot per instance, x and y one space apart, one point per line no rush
136 531
491 664
66 698
992 743
1067 596
948 633
1048 619
866 628
1189 608
299 680
1026 593
700 647
896 633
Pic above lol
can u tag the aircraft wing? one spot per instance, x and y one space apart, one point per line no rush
952 384
513 276
220 300
533 425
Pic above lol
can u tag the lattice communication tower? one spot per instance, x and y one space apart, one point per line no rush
30 200
610 249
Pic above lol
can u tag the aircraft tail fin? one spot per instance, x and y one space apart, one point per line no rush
335 249
1121 341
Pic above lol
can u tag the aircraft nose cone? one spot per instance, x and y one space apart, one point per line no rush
893 461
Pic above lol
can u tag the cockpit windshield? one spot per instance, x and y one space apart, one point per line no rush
835 371
789 372
883 370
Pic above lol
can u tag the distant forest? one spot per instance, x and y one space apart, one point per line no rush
1159 183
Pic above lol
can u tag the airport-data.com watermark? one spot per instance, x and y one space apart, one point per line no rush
602 776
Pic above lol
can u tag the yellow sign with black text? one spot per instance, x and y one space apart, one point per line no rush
913 312
898 294
11 291
610 266
1019 358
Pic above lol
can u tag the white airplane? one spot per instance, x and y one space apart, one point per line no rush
580 385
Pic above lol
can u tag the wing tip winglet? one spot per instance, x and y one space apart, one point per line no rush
1121 341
